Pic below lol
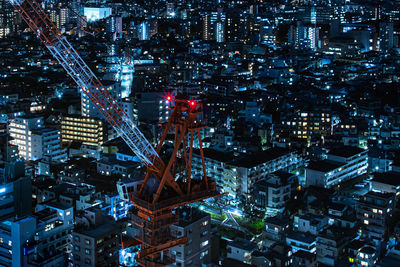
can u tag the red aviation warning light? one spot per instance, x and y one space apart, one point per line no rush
169 97
153 211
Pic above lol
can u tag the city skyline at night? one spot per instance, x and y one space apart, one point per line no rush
199 133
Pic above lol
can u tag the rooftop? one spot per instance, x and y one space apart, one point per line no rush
368 250
278 220
254 159
243 244
324 165
390 178
346 151
189 215
302 237
247 160
102 230
304 255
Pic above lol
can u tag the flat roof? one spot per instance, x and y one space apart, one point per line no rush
216 154
346 151
324 165
390 178
43 130
302 237
368 250
304 254
188 215
247 160
254 159
278 220
243 244
379 194
101 230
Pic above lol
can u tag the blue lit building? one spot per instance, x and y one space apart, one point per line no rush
115 207
96 13
143 32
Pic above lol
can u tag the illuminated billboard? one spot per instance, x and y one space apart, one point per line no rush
96 13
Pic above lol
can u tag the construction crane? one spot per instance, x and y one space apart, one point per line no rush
165 186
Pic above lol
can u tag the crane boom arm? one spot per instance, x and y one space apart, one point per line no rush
69 58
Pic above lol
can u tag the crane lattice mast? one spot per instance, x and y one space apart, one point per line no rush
154 211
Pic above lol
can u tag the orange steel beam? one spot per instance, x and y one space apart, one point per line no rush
153 250
189 169
130 243
155 216
202 159
167 169
159 146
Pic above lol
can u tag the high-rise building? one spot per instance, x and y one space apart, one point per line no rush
170 10
375 211
220 31
386 36
13 235
16 198
114 24
207 31
236 174
46 144
90 131
152 107
7 18
38 240
143 31
304 35
88 109
342 164
272 193
20 130
237 25
214 27
267 33
95 240
10 165
35 141
196 225
302 124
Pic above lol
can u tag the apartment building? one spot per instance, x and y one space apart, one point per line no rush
237 173
341 164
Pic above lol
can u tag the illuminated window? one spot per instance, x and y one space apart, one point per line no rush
205 243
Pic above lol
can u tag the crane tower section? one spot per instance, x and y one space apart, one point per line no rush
155 206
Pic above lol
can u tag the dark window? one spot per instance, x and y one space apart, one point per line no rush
77 248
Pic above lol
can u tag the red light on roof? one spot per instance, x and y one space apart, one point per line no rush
192 103
169 98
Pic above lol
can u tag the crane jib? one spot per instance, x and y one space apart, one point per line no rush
74 65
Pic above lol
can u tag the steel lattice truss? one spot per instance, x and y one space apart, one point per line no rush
69 58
